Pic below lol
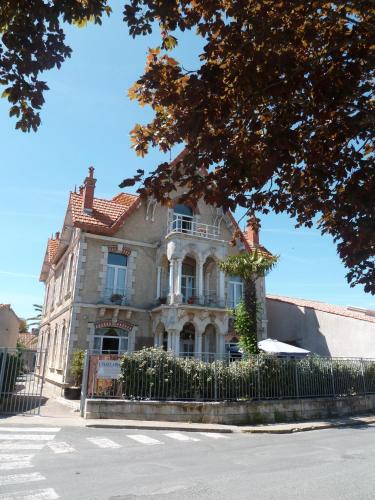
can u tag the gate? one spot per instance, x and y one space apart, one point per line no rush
21 380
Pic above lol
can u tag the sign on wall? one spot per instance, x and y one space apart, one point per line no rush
108 369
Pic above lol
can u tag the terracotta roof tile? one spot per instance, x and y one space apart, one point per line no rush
52 246
106 215
28 339
4 306
328 308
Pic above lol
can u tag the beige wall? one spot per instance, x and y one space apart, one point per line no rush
320 332
9 324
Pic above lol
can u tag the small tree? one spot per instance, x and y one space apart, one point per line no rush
76 368
22 328
249 266
36 320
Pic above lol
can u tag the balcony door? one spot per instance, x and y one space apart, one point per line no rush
188 282
182 219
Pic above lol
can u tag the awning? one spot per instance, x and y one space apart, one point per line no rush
272 346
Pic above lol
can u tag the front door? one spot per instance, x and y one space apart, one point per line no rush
187 348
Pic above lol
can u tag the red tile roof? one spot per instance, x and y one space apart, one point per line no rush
106 216
328 308
52 246
4 306
28 339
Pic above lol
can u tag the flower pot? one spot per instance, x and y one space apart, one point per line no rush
72 393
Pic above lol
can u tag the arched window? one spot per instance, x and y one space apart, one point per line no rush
182 218
111 341
235 291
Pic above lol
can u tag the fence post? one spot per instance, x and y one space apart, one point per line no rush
296 378
258 376
333 379
363 378
84 383
4 353
215 377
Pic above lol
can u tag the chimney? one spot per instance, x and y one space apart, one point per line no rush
88 191
57 235
252 231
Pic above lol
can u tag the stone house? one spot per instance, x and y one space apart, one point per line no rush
125 273
9 326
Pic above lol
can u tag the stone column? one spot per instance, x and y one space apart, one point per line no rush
221 288
200 283
158 283
220 345
176 347
171 281
178 294
198 346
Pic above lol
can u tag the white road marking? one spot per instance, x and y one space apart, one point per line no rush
15 458
21 478
103 442
29 429
60 447
45 494
214 435
16 465
180 437
26 437
141 438
21 446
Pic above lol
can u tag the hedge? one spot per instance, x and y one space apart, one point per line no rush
158 375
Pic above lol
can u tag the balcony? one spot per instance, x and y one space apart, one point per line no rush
114 298
185 224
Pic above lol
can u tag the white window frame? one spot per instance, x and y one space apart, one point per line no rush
235 296
115 289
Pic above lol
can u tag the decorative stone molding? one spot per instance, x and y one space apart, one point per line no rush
119 249
109 323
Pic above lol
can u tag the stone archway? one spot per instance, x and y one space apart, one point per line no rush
187 340
209 343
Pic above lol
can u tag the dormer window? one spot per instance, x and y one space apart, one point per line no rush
182 218
116 276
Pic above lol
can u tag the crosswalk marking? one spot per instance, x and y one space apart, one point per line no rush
29 429
21 478
13 465
21 446
103 442
60 447
214 435
40 494
141 438
181 437
26 437
15 458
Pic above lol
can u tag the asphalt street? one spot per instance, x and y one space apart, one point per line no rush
45 463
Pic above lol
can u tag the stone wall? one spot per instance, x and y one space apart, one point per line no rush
230 413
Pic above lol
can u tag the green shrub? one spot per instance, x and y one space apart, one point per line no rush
13 367
155 374
76 368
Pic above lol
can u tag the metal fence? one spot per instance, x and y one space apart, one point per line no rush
150 375
20 389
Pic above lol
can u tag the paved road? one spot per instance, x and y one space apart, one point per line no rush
45 463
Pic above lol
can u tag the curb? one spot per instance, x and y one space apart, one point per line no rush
306 428
161 428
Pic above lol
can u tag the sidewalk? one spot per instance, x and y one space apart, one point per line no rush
64 413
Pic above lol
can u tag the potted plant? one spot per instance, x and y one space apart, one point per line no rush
116 298
76 370
191 300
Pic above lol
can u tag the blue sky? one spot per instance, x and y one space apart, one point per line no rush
86 121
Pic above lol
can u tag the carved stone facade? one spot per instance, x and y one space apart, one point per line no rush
127 273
